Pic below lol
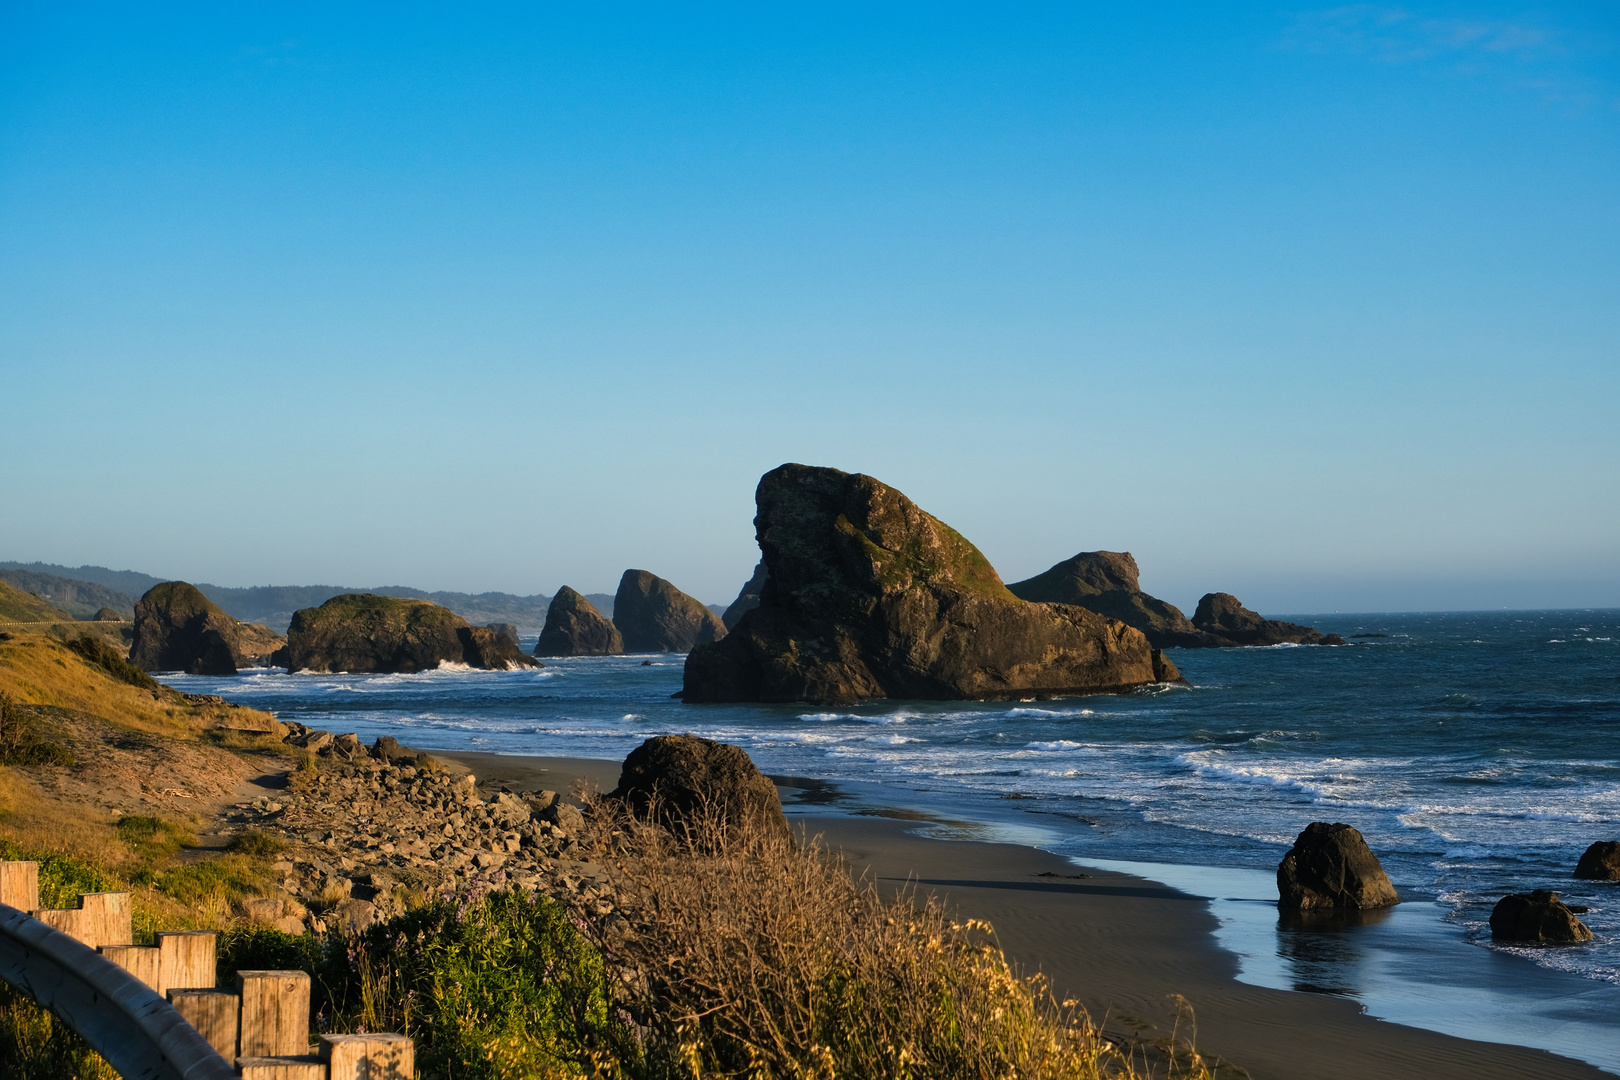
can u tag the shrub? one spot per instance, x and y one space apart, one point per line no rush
99 651
257 844
20 740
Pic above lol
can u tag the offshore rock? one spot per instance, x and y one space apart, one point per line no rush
747 600
1107 582
676 776
362 632
655 616
505 631
1537 917
867 596
1600 862
1222 615
177 628
575 628
1330 866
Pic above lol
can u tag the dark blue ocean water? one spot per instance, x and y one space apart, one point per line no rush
1478 752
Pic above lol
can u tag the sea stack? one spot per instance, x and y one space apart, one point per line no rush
1600 862
177 628
655 616
747 600
362 632
1107 582
575 628
868 596
1330 867
1223 616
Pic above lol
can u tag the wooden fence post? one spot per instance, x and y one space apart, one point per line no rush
19 885
275 1013
308 1067
214 1013
140 961
108 918
74 922
185 960
369 1057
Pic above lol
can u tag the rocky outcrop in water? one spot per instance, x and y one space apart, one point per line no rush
1222 615
1107 582
677 776
747 600
177 628
1331 867
868 596
575 628
1600 862
1538 917
362 632
654 616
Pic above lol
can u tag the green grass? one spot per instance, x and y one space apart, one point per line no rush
256 844
152 838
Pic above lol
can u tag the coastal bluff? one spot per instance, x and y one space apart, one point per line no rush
363 632
868 596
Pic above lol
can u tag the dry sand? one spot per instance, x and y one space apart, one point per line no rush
1126 947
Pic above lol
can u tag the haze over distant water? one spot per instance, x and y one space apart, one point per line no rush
1312 304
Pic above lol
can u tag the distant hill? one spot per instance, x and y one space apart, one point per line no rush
19 606
81 599
273 605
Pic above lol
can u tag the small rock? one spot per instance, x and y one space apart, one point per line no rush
1331 867
1537 917
1600 862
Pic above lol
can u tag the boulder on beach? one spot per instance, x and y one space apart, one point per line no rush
363 632
1537 917
1223 616
177 628
574 627
676 776
867 596
747 600
1331 867
654 616
1600 862
1107 582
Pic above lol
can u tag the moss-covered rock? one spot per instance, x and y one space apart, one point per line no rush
363 632
177 628
575 628
654 616
868 596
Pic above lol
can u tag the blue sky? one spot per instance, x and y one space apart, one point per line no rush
1320 306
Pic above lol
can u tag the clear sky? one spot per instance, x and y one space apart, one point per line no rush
1320 306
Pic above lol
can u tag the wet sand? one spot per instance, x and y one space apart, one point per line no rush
1126 947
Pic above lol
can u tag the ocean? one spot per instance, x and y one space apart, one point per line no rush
1479 753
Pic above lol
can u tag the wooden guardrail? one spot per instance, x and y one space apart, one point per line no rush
153 1011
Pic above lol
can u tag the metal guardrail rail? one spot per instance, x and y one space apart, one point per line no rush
123 1019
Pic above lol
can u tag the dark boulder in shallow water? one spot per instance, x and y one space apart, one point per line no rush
654 616
1222 615
676 776
1600 862
1538 917
868 596
1331 867
575 628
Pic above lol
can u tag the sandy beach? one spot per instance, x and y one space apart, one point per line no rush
1125 946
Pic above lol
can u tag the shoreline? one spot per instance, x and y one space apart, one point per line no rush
1125 946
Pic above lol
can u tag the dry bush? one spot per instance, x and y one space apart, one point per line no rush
747 955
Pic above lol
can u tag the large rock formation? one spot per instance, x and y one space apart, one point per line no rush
747 600
362 632
177 628
1538 917
655 616
575 628
1220 614
1107 582
867 596
1600 862
681 775
1331 867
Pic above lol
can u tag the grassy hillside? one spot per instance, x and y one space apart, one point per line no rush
22 607
80 599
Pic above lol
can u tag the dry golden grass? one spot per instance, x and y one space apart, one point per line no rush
752 956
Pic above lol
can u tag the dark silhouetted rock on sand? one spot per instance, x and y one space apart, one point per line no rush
1107 582
362 632
1600 862
575 628
655 616
1221 614
1331 867
867 596
177 628
748 599
1539 917
682 775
